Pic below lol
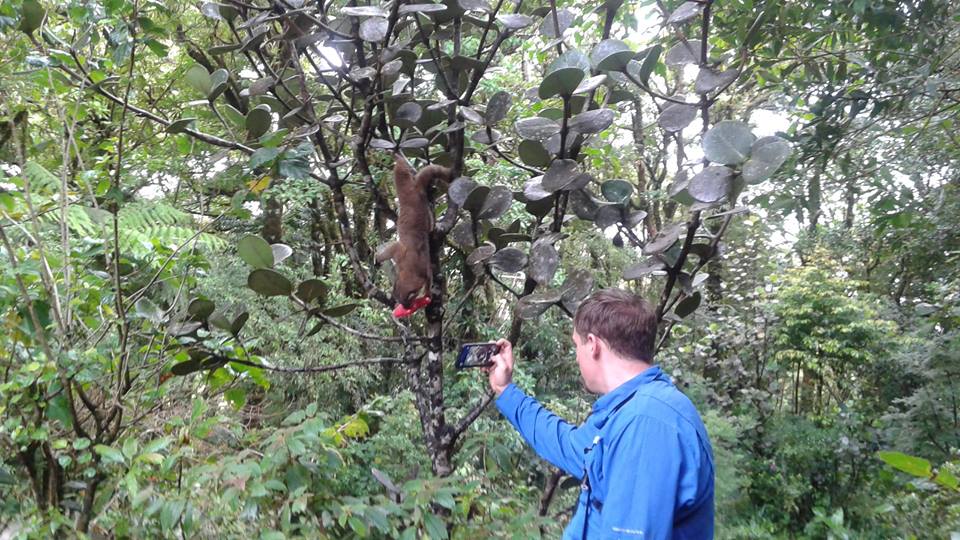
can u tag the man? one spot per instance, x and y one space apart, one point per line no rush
643 454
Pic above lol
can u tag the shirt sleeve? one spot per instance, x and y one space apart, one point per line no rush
554 439
644 462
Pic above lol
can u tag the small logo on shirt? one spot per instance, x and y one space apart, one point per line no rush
633 532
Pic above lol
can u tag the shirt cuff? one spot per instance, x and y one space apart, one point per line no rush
510 399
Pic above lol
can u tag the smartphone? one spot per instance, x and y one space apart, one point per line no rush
477 354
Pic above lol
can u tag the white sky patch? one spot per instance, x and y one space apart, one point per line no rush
766 123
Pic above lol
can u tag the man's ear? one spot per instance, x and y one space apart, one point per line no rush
595 344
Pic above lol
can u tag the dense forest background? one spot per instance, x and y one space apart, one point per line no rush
197 343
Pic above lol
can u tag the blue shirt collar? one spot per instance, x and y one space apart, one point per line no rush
609 401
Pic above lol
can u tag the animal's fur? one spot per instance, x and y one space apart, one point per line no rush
411 253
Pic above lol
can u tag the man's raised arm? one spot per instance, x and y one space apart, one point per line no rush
551 437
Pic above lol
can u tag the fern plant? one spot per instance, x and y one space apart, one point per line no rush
141 223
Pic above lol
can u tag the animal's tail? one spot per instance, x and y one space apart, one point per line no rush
431 173
401 164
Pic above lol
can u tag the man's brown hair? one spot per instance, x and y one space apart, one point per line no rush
624 320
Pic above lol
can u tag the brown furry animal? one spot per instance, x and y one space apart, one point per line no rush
411 252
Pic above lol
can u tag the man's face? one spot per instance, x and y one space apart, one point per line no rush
585 361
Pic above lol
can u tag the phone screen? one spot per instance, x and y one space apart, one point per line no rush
477 355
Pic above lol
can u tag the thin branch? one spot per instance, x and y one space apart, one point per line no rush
317 369
471 416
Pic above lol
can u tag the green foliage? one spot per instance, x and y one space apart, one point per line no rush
166 375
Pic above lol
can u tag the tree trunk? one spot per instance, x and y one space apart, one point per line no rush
272 230
813 200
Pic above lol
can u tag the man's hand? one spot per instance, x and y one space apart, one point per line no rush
501 372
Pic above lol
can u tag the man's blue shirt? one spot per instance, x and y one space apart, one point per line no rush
646 455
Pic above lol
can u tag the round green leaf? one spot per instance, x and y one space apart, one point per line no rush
219 319
580 181
422 8
462 235
471 115
544 260
664 239
572 58
537 128
611 55
474 5
589 85
711 184
634 218
199 79
481 254
514 21
583 205
533 189
539 208
677 116
31 16
269 282
685 13
178 126
641 70
562 82
258 121
183 328
200 308
593 121
508 238
608 215
683 53
311 289
238 323
509 260
261 86
688 305
218 83
617 191
497 202
233 115
363 11
766 156
255 251
476 199
550 30
483 137
616 96
728 142
460 189
533 153
528 309
382 144
374 29
710 79
465 63
408 114
560 174
340 311
223 49
577 286
678 189
644 268
551 296
497 107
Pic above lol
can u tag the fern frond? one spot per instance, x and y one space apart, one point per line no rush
42 181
